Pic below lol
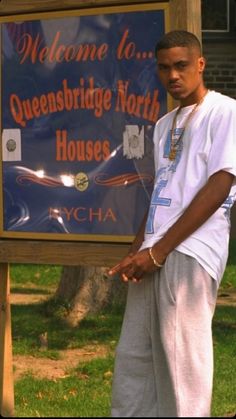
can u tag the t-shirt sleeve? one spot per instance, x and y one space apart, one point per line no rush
222 154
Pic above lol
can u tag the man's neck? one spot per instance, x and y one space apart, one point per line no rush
195 97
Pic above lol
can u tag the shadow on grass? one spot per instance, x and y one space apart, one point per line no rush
29 321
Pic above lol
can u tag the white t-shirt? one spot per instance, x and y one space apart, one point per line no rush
207 146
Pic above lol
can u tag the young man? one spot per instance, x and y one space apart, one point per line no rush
164 359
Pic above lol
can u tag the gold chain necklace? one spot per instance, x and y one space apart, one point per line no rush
174 144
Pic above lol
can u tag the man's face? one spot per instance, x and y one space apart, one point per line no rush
180 71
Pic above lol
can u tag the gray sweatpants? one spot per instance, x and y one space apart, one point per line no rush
164 358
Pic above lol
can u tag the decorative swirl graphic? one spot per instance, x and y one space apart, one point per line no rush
100 179
123 180
44 181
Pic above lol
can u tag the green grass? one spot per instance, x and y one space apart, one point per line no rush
224 334
29 321
85 391
229 278
31 276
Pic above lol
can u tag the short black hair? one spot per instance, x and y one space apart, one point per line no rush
178 38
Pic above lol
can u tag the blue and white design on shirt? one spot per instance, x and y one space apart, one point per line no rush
162 179
227 205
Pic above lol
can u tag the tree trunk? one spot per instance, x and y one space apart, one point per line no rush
88 290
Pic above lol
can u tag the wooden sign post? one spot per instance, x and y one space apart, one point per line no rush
183 14
6 370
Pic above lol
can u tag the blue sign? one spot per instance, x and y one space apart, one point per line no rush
80 98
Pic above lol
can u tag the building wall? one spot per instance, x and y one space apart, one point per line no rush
219 49
220 73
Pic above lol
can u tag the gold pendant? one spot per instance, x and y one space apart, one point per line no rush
172 154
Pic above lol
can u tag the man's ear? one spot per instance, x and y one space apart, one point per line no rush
202 64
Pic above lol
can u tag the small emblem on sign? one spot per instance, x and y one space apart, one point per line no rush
133 142
11 144
81 181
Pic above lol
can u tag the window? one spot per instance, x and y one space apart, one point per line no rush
215 16
219 19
